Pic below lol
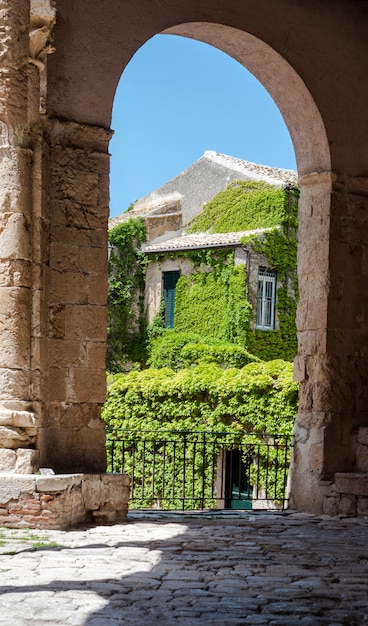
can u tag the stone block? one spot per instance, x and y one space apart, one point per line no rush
14 321
300 372
98 288
21 419
67 353
106 492
361 457
86 384
20 461
65 255
94 259
58 384
13 383
348 506
57 483
14 237
362 436
87 137
352 483
68 287
15 273
15 196
86 322
87 438
14 438
13 486
96 354
362 510
57 322
331 505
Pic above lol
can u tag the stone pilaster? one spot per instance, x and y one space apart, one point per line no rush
332 321
73 435
17 419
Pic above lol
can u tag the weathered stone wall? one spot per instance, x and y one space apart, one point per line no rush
18 421
53 263
60 502
332 365
73 433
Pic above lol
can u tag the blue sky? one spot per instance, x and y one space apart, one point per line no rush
178 98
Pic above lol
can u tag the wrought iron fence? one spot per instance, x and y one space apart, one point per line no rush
200 470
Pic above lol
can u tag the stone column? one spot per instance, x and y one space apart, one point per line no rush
73 434
332 321
17 420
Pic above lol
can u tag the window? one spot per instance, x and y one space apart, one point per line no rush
170 280
266 299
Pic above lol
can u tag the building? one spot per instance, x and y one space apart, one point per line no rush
174 242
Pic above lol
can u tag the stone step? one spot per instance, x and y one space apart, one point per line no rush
352 483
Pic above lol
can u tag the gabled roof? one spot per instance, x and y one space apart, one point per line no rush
199 183
273 175
200 241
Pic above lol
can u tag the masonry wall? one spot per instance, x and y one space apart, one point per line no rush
73 433
61 502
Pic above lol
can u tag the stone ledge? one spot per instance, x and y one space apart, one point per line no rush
61 501
352 483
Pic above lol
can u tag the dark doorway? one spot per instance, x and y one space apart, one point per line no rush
238 489
170 280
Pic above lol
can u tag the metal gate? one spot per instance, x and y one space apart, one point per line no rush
191 470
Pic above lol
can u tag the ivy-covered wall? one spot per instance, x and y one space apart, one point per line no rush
126 332
243 205
213 300
214 303
279 246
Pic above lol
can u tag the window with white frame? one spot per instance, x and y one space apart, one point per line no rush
266 299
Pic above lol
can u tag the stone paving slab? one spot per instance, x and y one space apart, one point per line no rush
266 569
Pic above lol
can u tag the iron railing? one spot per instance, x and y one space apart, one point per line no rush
200 470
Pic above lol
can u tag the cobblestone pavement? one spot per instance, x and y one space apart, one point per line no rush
277 569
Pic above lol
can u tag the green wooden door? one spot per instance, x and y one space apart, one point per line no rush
170 280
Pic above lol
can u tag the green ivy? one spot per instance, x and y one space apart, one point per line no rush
279 246
179 350
243 205
126 326
214 303
260 397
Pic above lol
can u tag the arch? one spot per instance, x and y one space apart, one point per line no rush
285 86
306 58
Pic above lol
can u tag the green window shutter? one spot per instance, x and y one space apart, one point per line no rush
170 280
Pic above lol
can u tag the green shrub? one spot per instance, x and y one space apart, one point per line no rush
178 350
260 398
224 354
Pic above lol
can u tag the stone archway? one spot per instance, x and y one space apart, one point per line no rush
55 198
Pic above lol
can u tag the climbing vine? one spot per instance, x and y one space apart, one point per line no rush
243 205
279 246
126 325
260 398
212 302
